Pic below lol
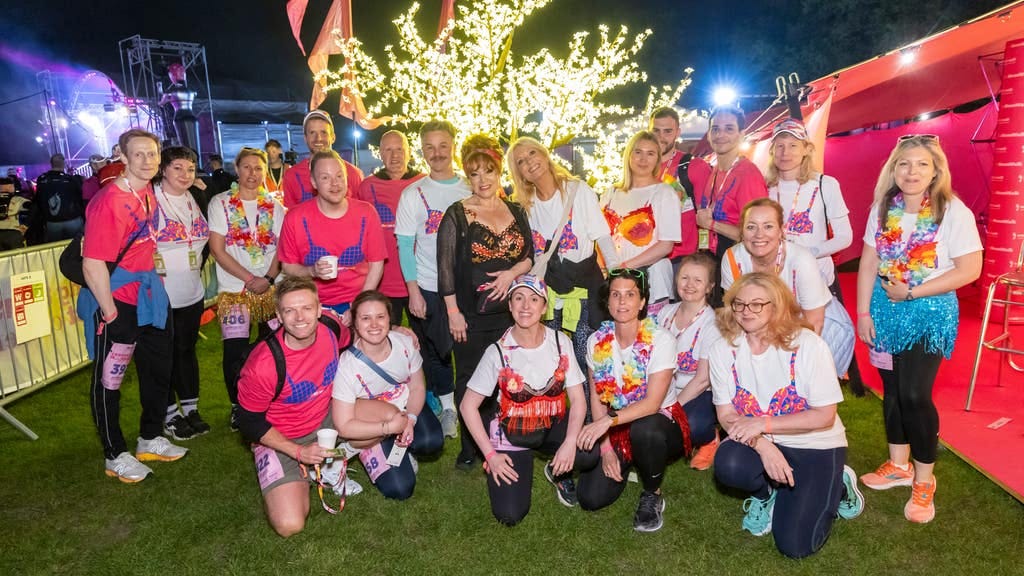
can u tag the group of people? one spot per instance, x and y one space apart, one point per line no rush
686 313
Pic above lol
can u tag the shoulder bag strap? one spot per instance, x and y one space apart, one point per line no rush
540 266
374 366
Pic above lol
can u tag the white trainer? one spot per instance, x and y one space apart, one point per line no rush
158 449
127 469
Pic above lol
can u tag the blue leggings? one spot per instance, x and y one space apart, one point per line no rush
701 415
804 512
399 482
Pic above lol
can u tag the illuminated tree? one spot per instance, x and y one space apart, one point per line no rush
471 76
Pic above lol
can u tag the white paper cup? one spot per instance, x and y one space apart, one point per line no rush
333 262
327 438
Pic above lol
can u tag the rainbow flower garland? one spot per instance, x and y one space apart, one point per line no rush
238 225
634 372
914 260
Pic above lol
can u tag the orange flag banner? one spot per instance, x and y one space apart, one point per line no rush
296 11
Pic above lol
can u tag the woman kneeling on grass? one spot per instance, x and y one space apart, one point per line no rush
775 389
383 370
637 420
535 370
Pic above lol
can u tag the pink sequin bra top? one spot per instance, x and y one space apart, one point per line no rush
784 401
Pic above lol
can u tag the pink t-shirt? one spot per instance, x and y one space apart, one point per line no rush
384 195
356 239
729 191
113 217
298 187
308 384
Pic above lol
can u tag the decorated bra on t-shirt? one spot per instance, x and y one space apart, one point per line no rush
434 217
174 229
785 400
239 233
685 362
800 221
303 390
522 408
505 245
387 215
567 242
637 226
349 258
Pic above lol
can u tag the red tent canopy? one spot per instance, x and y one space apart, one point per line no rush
946 71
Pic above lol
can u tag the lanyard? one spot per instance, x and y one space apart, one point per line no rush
174 212
144 205
714 183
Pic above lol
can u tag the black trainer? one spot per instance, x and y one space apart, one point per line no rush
565 488
178 428
648 512
465 462
234 417
199 426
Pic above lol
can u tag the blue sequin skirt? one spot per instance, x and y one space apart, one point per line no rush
931 320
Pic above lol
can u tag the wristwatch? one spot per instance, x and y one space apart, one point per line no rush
910 294
269 278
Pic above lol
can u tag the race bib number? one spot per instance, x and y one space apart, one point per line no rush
396 455
501 442
268 465
235 324
880 360
375 462
116 364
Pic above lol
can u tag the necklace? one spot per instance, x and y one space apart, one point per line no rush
254 241
634 369
914 260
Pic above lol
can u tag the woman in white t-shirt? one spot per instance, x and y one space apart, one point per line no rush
245 223
642 214
920 245
181 234
637 420
378 399
763 248
691 322
534 371
775 391
544 189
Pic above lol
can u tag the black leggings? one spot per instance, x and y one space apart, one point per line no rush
910 414
656 441
510 503
467 356
802 520
185 367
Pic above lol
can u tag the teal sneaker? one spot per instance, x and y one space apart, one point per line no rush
852 502
758 520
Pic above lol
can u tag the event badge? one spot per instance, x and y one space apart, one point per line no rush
193 260
703 239
396 454
158 264
879 359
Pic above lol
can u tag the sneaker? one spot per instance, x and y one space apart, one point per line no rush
852 502
233 422
921 506
648 516
464 462
199 426
127 469
449 423
565 489
758 520
888 476
158 448
178 428
351 487
704 457
331 475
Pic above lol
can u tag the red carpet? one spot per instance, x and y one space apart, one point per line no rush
997 453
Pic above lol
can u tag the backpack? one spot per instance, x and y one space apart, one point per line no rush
277 352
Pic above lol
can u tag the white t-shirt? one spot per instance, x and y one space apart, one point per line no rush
663 357
695 340
799 271
665 205
355 380
957 235
796 198
218 216
414 219
535 365
765 374
175 240
586 223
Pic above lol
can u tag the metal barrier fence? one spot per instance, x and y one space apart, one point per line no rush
41 337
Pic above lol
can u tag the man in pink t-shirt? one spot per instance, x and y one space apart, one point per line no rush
282 423
733 183
318 130
335 240
383 189
125 310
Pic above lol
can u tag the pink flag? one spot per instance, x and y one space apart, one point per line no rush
447 13
338 17
296 10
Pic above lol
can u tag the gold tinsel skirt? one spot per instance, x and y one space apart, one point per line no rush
261 306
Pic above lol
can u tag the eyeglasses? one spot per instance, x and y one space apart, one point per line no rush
639 275
754 307
934 137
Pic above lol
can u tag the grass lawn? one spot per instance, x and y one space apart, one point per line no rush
59 514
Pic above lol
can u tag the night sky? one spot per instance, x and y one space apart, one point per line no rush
251 53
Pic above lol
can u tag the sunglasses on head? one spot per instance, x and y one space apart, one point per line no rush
639 275
934 137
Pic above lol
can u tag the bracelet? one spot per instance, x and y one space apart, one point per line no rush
269 278
615 420
768 424
298 454
487 457
250 278
863 314
606 449
112 318
414 418
453 310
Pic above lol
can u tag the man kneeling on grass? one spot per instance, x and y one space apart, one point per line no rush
280 414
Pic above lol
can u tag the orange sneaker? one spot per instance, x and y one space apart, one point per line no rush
704 457
888 476
921 506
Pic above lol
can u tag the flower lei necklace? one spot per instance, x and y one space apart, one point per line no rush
914 260
634 370
239 234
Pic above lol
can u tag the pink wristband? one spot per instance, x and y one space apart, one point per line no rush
298 454
487 457
863 314
606 449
